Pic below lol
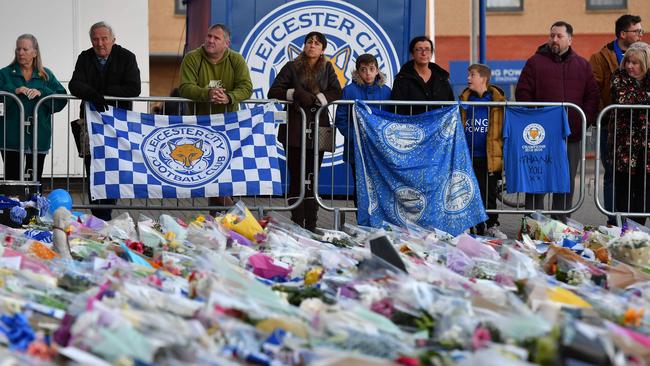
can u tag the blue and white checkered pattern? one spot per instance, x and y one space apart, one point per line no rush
120 168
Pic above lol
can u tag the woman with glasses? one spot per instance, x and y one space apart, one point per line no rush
629 132
420 79
30 81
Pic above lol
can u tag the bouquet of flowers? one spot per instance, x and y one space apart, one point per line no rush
632 248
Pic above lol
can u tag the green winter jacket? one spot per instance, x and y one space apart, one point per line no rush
197 71
12 78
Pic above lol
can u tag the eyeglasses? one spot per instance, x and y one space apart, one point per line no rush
422 50
637 31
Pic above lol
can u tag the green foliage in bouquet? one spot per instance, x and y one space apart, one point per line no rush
424 322
295 295
544 350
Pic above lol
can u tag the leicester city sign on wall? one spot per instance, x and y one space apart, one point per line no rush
278 38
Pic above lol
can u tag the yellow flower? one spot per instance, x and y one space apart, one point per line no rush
313 276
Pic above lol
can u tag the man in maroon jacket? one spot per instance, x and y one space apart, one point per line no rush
556 73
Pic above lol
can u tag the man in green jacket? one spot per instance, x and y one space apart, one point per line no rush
214 75
217 78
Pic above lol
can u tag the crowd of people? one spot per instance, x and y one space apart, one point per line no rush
218 79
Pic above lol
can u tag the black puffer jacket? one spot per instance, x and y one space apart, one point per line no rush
408 85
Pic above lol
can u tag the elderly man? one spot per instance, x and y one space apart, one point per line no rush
603 63
104 69
556 73
217 78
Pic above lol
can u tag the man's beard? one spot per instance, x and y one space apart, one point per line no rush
555 49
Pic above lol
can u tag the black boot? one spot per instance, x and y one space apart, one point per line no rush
311 214
298 213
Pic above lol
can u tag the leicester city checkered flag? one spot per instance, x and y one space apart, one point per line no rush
139 155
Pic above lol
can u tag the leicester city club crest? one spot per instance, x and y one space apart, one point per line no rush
403 137
534 134
186 156
448 126
458 191
278 38
410 203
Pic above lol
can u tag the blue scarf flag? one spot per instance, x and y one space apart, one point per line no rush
139 155
415 169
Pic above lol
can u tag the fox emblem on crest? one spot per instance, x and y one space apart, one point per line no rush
186 154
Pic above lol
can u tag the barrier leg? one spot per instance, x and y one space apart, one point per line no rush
619 220
337 218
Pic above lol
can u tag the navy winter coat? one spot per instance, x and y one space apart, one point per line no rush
353 91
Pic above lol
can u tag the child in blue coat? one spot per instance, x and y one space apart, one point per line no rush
367 84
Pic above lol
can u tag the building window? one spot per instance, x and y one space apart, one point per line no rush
606 4
505 5
179 7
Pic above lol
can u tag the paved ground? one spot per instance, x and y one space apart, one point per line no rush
587 214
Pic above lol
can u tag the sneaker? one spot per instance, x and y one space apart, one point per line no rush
494 232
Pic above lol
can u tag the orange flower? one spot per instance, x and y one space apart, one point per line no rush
633 317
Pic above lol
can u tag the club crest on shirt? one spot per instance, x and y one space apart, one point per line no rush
534 134
186 156
410 204
402 137
458 191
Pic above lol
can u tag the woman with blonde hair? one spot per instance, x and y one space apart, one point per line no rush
628 135
29 80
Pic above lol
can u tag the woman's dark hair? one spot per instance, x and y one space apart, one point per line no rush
307 73
319 36
420 39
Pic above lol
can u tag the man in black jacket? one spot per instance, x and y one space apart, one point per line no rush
104 69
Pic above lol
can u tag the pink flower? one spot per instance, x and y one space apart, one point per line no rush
383 307
481 338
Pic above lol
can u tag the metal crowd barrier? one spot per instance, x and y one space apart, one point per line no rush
21 118
507 203
74 177
640 115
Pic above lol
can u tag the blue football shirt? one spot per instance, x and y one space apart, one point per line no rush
534 150
476 125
